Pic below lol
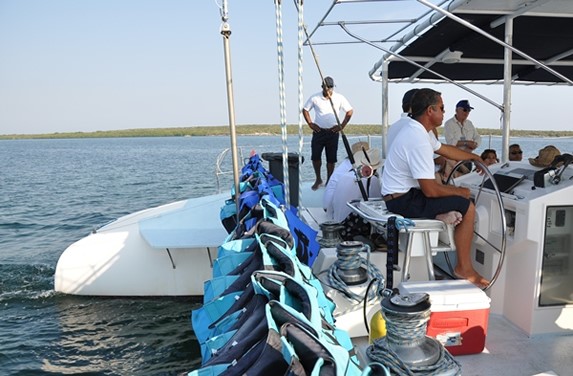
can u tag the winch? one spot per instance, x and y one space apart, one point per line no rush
406 349
349 263
330 234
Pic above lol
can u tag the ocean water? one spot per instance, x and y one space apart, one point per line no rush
53 192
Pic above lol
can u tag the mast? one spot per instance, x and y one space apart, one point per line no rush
226 33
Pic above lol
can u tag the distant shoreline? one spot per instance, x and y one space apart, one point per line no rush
250 130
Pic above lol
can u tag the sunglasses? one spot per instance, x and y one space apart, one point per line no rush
516 152
466 110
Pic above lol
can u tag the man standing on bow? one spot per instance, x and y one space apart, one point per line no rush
410 189
325 127
460 131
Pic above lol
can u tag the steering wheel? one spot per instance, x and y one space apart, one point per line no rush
500 248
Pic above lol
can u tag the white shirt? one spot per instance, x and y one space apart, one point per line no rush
347 190
455 131
410 158
327 199
323 114
395 128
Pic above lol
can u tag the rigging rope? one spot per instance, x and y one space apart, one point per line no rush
282 97
300 95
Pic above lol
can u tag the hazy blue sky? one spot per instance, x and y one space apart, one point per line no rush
87 65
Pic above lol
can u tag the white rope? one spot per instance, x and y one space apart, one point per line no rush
282 99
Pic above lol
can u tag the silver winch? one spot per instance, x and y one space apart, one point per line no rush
415 349
330 234
406 347
349 263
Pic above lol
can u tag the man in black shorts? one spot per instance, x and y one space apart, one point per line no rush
325 127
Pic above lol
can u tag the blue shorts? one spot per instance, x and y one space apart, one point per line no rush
325 139
415 205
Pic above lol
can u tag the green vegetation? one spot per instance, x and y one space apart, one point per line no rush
352 129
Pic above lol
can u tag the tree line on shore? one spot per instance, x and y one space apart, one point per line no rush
251 129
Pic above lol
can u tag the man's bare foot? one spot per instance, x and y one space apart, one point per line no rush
474 277
451 218
317 184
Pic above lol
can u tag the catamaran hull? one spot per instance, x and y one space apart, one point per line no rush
163 251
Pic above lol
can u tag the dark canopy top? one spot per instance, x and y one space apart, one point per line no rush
543 38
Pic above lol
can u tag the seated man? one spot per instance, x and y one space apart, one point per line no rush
515 152
346 187
343 168
410 189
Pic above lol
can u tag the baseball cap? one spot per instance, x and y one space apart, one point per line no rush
328 81
464 103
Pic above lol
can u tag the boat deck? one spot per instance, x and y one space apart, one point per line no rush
510 352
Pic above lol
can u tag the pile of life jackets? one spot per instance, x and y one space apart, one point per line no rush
264 312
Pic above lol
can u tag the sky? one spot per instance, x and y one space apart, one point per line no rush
96 65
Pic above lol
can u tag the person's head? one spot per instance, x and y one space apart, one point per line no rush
327 86
463 110
407 100
368 161
489 156
360 145
515 152
428 108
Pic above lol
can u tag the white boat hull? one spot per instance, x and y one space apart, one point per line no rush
164 251
144 254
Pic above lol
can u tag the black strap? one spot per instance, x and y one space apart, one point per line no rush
392 251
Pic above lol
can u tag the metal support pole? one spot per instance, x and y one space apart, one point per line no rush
226 32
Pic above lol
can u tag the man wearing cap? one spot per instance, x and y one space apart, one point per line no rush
410 189
325 126
460 131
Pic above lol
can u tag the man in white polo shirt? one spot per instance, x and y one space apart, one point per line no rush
325 128
410 189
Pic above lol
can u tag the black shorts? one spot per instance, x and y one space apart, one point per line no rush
325 139
415 205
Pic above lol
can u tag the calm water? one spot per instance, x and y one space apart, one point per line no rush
53 192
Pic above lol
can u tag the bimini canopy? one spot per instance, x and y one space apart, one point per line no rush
455 38
541 29
459 41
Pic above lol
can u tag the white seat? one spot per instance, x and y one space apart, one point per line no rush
425 238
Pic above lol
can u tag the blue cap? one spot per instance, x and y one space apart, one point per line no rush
464 103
